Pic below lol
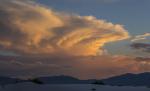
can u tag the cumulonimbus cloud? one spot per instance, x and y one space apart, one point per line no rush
29 28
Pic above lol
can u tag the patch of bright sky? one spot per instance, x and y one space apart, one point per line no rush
133 14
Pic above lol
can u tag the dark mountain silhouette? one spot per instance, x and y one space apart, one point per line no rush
8 80
63 80
129 79
142 79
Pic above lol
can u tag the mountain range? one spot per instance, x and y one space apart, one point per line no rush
142 79
129 79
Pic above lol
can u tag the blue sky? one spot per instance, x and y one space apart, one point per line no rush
133 14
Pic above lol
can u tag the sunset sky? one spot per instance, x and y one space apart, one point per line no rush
87 39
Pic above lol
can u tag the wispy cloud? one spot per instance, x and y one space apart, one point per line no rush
140 37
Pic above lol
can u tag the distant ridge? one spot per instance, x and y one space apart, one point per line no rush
129 79
63 80
8 80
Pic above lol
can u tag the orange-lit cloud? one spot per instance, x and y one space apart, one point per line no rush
29 28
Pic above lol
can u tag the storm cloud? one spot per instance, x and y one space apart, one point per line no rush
29 28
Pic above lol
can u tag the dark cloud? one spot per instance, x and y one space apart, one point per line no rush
141 46
78 66
142 59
